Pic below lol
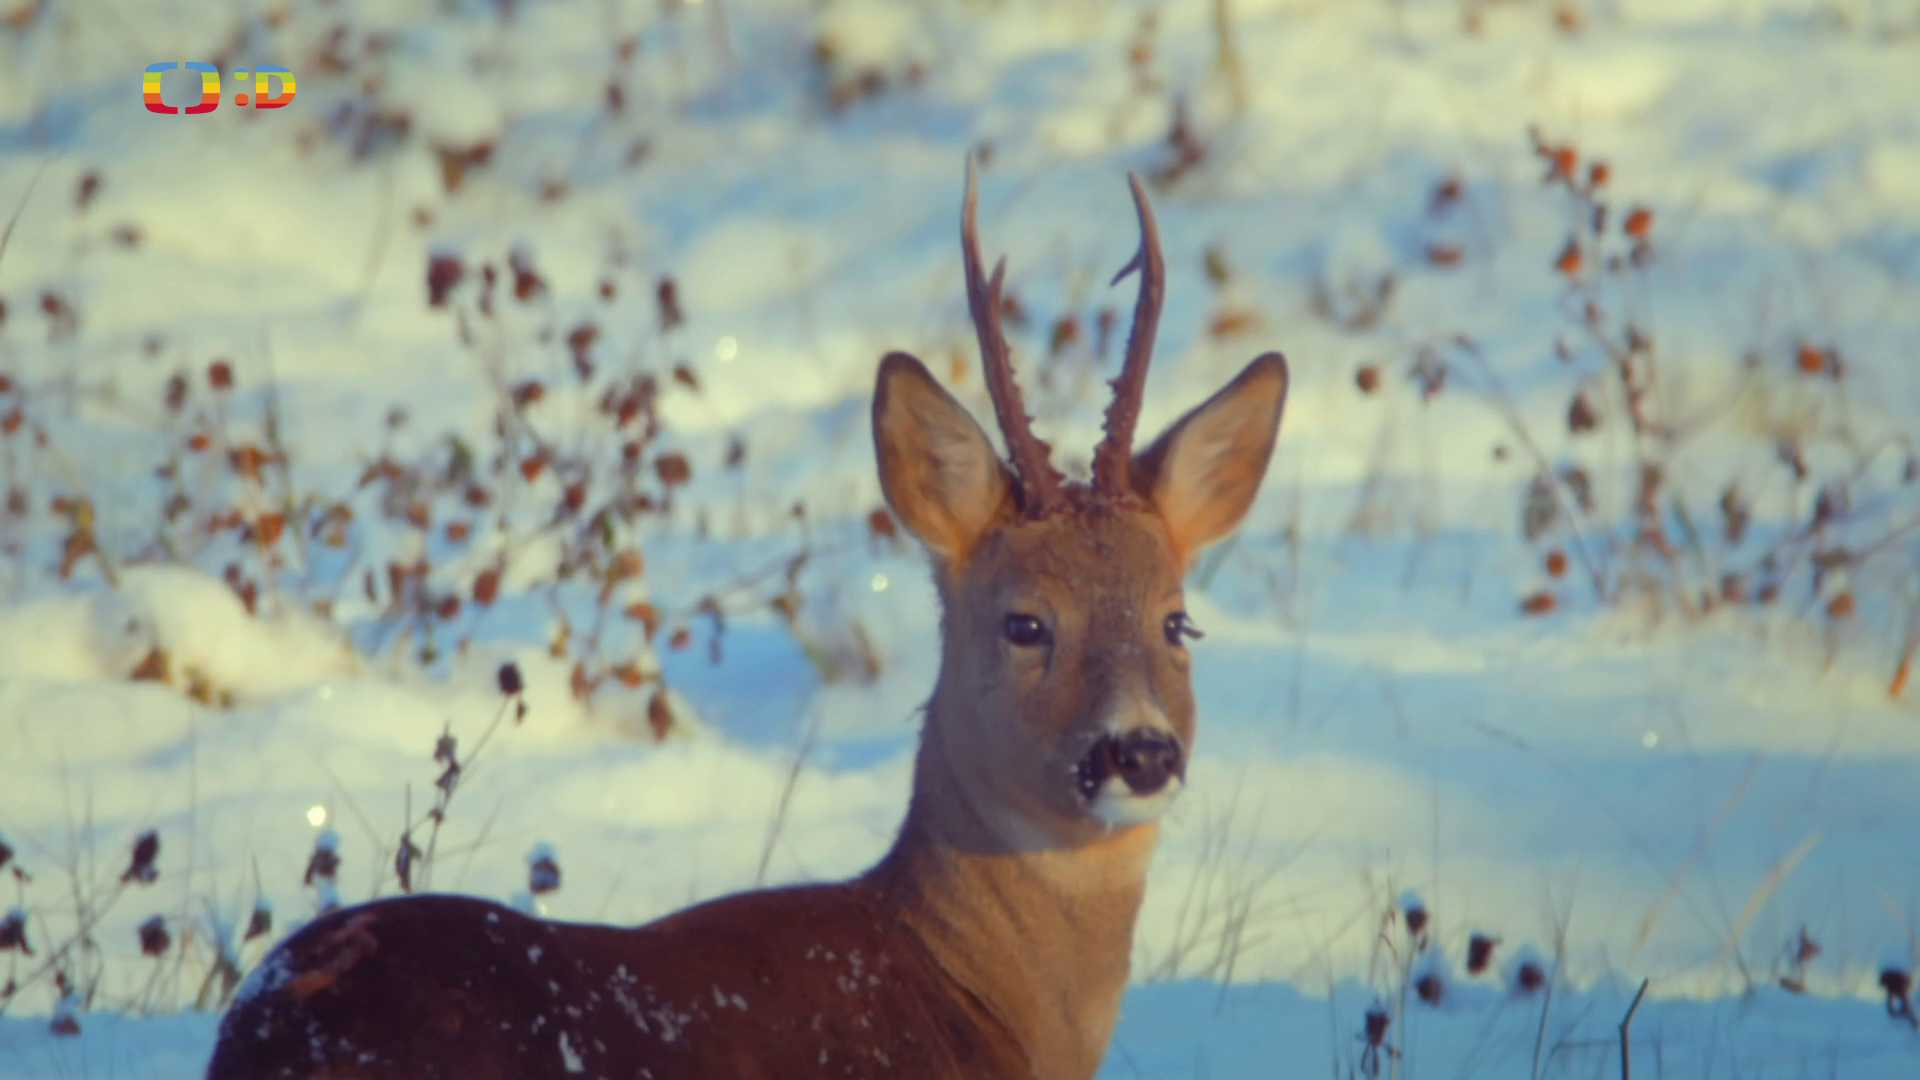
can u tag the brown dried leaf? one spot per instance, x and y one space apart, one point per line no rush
154 667
486 586
673 469
646 615
660 715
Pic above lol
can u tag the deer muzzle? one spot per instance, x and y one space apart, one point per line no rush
1145 759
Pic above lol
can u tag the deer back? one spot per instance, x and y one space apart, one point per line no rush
805 981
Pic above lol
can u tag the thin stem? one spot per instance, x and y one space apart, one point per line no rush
1626 1026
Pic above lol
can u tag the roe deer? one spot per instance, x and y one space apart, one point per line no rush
993 939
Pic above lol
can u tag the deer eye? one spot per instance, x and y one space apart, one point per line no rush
1025 631
1178 626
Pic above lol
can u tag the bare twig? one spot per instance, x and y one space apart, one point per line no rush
1764 892
775 826
1540 1032
6 234
1626 1026
1227 55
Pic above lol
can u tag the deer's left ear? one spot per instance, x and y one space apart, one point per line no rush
1203 472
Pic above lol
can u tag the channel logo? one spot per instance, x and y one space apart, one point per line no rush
267 86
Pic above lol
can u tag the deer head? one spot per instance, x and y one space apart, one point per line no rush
1064 707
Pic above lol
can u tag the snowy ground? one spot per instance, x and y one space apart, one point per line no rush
1620 791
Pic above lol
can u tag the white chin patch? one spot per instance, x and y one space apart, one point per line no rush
1117 807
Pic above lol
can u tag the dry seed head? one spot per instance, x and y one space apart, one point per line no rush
1581 415
324 862
1562 161
444 272
1805 949
673 470
404 856
13 934
1066 331
660 713
1416 915
1569 261
86 189
543 870
1231 322
486 586
154 938
66 1020
667 299
528 285
1898 984
260 922
1214 261
1529 977
1480 952
1378 1019
140 867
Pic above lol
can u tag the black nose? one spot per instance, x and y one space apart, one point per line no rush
1146 760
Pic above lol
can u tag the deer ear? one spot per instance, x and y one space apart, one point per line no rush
941 476
1203 472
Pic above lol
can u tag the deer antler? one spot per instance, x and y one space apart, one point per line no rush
1110 458
1040 483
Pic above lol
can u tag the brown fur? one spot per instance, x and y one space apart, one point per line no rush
817 981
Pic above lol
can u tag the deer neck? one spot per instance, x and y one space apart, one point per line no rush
1042 936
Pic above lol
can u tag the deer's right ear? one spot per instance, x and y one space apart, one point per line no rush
941 476
1205 471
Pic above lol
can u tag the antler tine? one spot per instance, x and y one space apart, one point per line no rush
1040 483
1110 459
